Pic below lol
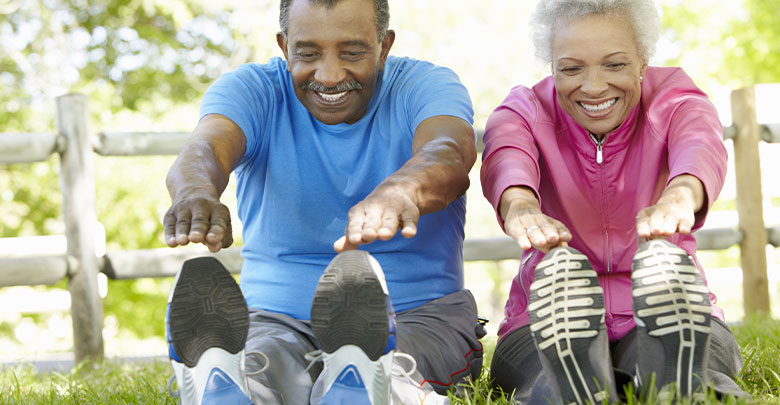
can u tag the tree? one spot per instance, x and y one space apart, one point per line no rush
736 43
123 54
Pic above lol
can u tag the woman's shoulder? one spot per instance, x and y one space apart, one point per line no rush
533 100
662 84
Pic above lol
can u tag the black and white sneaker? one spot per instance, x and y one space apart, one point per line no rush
567 323
207 323
353 320
672 312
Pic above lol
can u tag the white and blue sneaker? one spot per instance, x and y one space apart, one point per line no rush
207 323
352 318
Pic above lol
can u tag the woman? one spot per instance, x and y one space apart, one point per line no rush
582 169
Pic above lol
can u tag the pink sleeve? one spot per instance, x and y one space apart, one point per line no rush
696 148
511 156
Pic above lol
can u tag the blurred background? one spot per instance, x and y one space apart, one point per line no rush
144 65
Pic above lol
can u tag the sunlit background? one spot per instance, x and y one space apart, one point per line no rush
145 63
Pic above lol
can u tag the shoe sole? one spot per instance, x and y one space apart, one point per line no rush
206 310
673 303
350 306
566 314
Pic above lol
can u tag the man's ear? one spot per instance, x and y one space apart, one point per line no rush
387 43
282 42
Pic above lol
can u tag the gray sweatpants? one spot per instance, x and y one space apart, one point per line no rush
442 336
516 366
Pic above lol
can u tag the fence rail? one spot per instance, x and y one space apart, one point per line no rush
80 264
154 263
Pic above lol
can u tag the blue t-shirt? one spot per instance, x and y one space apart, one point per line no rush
299 178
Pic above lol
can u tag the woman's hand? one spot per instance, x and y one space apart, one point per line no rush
674 212
525 222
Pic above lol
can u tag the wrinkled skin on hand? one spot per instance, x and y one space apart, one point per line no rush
379 216
198 219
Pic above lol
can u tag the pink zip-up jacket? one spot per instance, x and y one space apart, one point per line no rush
597 191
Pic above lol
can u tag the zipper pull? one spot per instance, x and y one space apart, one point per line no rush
598 142
599 153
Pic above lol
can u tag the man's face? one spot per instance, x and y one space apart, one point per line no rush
334 57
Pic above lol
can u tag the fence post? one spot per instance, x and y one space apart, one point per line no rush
755 286
77 185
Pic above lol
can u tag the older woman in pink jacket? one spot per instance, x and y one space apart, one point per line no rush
601 172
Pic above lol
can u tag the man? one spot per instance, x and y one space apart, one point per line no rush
338 146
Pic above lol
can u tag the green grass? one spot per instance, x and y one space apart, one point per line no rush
146 382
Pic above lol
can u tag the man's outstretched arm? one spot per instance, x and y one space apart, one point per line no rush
443 153
196 181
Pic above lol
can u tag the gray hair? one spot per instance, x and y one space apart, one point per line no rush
381 8
642 16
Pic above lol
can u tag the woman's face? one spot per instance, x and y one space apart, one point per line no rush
597 71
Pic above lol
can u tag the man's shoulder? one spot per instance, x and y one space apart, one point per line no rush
411 68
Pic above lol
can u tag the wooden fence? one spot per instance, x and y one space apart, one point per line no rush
80 264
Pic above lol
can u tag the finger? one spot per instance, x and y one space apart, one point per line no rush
354 230
372 222
183 226
169 224
565 235
643 224
523 242
536 236
220 217
389 225
343 244
550 232
199 224
656 222
227 240
686 224
213 247
409 218
670 224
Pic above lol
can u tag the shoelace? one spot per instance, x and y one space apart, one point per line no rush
171 392
266 362
397 370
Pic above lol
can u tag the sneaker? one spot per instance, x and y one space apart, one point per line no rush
352 319
207 323
567 322
672 313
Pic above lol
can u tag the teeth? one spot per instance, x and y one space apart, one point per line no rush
600 107
332 97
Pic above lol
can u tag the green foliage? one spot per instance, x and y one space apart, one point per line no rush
106 383
759 340
135 50
145 382
29 199
735 43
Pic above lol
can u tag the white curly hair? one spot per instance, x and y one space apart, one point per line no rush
641 14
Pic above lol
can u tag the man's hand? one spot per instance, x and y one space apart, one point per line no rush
525 222
198 220
380 216
674 212
197 179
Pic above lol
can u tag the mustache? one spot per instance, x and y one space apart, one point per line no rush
346 85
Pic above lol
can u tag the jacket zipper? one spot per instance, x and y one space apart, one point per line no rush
599 143
600 160
522 269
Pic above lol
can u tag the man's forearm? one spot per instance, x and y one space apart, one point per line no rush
434 176
196 172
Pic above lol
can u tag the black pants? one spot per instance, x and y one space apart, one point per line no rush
516 367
